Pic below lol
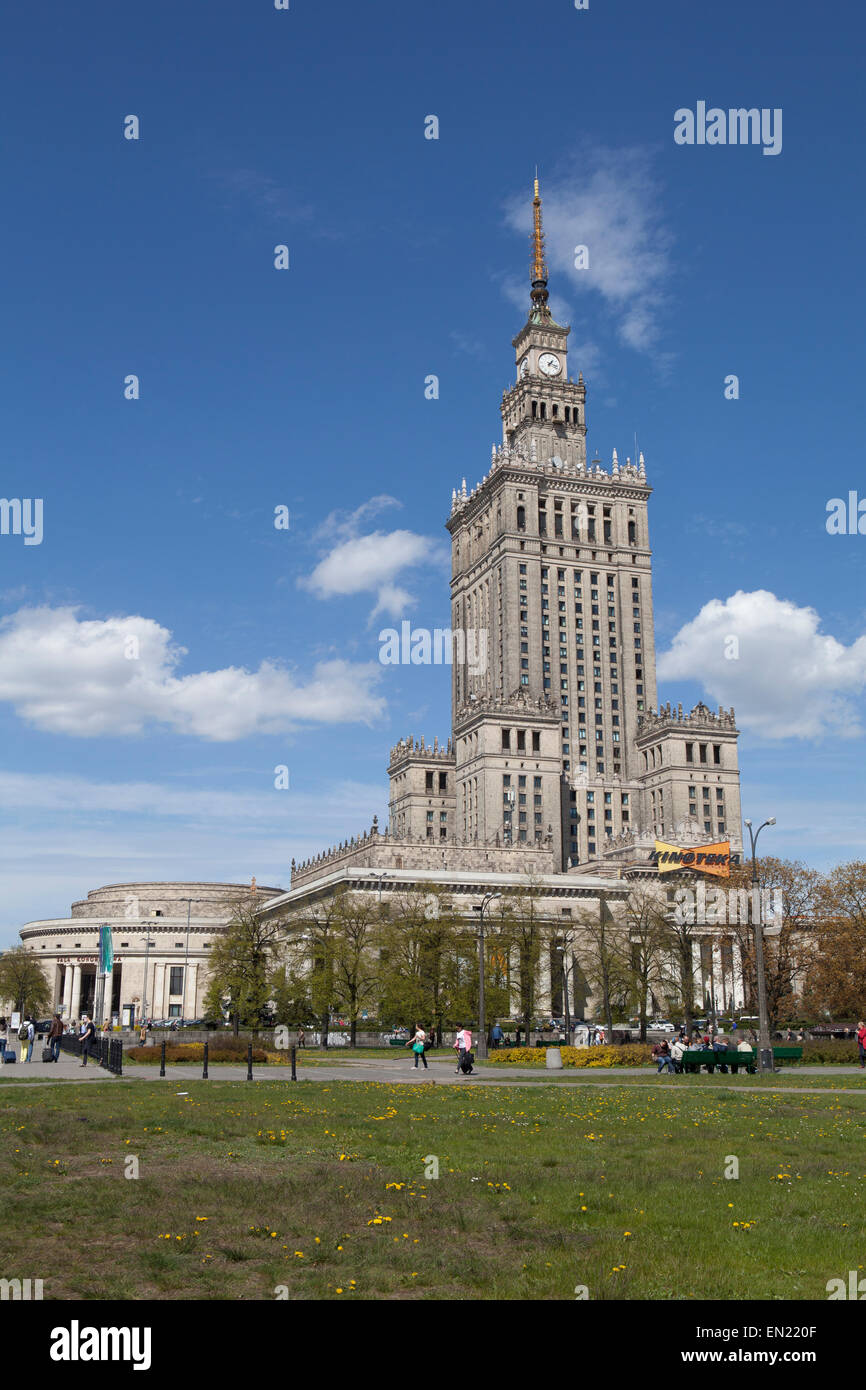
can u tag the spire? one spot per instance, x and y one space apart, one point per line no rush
539 313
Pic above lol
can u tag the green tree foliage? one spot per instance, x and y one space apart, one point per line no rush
23 982
243 962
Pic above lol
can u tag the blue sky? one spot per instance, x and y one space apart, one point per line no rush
305 388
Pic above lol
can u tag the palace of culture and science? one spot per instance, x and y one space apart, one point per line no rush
558 753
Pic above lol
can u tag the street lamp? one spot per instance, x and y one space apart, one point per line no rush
482 1021
147 945
765 1047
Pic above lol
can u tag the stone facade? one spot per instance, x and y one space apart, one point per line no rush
181 921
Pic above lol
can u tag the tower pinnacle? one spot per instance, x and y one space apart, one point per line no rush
539 313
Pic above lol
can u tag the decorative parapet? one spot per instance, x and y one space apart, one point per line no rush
504 455
412 747
518 704
381 851
671 717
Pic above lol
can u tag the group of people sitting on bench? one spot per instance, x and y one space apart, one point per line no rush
670 1057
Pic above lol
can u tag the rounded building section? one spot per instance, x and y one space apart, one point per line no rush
162 935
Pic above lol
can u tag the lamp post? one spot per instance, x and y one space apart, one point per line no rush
765 1047
147 945
482 1021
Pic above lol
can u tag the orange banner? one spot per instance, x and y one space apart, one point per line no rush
708 859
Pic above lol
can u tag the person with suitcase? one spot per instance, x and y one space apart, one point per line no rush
55 1033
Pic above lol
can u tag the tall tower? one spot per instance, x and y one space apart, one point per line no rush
551 557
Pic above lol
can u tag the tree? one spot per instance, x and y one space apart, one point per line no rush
648 936
524 930
791 890
355 934
835 962
23 981
291 997
242 967
602 950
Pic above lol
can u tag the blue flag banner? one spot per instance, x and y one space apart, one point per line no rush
106 951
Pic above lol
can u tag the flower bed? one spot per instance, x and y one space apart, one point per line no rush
627 1055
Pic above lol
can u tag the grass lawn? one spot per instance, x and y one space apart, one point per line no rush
320 1187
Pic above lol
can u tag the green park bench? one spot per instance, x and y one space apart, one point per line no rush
693 1061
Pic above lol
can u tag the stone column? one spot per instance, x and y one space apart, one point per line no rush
66 1006
155 1005
75 1007
190 990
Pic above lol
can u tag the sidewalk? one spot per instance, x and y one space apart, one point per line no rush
400 1071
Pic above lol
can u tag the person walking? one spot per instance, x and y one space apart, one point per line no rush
460 1044
496 1035
28 1028
55 1033
302 1038
87 1036
416 1042
861 1043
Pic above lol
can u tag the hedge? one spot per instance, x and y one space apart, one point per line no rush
624 1055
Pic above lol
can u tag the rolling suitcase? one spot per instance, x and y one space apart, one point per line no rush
466 1064
47 1054
9 1055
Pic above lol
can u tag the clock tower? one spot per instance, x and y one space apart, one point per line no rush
544 413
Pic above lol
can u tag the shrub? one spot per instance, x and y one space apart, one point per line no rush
623 1055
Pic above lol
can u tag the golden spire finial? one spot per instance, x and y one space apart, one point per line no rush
539 269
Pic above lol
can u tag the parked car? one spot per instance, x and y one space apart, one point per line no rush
662 1025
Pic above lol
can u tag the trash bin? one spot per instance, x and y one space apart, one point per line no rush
553 1059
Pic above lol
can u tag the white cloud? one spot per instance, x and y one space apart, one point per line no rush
71 676
789 679
369 563
610 203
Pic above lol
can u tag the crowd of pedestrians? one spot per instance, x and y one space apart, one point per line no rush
27 1031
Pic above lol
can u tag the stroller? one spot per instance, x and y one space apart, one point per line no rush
466 1064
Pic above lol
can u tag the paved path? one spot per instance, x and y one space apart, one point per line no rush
401 1072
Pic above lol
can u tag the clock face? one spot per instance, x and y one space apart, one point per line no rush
550 364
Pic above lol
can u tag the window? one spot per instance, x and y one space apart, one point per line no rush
443 781
690 752
506 740
428 781
717 754
174 1010
536 742
175 983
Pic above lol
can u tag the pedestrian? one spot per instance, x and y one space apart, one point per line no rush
142 1033
463 1044
416 1042
29 1028
87 1037
4 1039
861 1043
55 1033
302 1038
496 1035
